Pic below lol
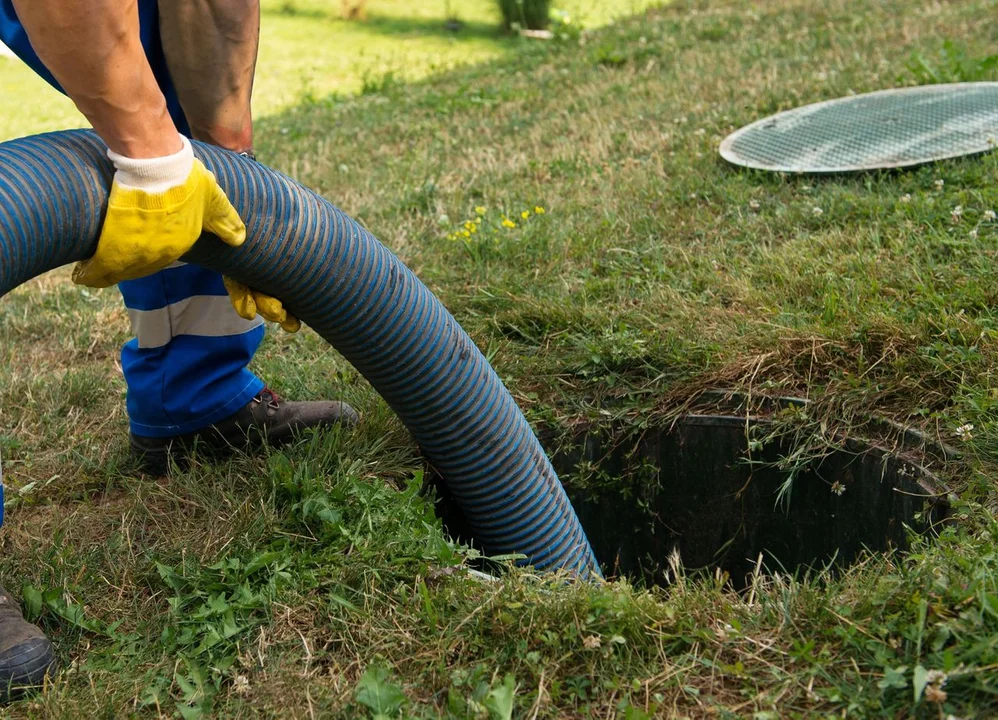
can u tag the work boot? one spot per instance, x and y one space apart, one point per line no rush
26 655
266 418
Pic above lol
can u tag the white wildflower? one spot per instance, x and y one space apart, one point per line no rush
838 488
906 198
989 215
935 677
973 234
934 693
817 211
241 684
754 204
939 184
957 213
965 432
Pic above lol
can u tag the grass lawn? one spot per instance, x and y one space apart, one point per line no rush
308 50
315 582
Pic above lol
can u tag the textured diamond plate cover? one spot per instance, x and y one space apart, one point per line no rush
886 129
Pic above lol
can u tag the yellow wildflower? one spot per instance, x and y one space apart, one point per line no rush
465 233
479 210
507 223
469 225
525 214
538 210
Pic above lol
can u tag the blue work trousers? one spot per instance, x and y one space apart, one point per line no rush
186 367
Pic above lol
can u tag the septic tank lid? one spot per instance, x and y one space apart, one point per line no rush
879 130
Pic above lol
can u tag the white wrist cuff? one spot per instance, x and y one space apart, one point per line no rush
154 175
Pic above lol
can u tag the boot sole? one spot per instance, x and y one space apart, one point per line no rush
25 667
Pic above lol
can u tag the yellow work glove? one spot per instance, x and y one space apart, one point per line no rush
250 302
157 210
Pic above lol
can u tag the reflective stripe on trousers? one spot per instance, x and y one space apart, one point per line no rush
186 367
201 315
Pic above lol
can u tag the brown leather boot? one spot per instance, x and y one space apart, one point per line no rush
266 418
26 655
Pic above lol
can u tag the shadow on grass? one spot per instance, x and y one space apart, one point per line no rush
290 9
397 25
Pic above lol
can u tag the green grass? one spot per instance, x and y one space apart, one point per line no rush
308 51
315 582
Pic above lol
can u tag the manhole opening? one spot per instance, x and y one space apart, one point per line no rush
703 489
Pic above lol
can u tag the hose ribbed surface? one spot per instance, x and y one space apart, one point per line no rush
356 294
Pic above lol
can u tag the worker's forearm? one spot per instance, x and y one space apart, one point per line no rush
211 48
94 50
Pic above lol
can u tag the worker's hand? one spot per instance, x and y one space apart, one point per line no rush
157 210
250 302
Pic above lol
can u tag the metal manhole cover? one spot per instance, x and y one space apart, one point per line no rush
878 130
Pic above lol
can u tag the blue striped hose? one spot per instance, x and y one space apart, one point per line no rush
357 295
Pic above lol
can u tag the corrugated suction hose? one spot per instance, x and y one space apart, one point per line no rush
356 294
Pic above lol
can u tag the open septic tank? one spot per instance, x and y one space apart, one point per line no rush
721 486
